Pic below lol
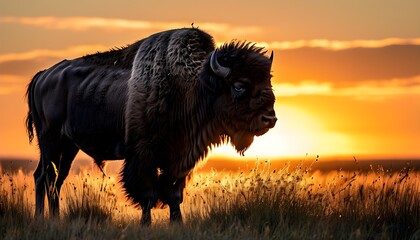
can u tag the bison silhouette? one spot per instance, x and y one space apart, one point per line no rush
161 104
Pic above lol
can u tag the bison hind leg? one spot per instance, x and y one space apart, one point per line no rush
52 191
39 179
52 170
68 151
45 175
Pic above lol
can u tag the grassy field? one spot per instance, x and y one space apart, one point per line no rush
294 201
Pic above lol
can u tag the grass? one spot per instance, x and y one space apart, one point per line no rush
260 203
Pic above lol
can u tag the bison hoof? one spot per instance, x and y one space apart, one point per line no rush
146 219
145 222
176 217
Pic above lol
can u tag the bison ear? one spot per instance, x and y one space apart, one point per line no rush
218 69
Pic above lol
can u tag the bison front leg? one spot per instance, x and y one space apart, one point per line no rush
148 195
139 178
146 206
171 192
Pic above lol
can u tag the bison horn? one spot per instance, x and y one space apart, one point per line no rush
271 58
217 68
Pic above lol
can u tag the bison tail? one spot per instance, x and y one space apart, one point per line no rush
29 126
29 118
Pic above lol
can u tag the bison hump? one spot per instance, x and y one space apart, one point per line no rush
174 55
187 50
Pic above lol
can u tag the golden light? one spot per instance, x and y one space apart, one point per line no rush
296 134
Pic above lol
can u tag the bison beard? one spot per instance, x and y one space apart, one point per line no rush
242 140
161 103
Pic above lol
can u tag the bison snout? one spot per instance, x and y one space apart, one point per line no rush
268 121
265 122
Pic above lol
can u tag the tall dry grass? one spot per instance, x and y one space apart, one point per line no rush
259 203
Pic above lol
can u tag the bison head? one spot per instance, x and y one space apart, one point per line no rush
239 73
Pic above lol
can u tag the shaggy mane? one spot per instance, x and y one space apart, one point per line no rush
242 46
118 57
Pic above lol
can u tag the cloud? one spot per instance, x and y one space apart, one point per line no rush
43 53
349 66
303 88
12 83
346 68
339 45
374 90
87 23
366 90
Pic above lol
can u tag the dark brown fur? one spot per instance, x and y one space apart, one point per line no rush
157 103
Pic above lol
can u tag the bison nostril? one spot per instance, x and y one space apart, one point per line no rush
269 121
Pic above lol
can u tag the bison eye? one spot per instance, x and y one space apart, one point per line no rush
238 89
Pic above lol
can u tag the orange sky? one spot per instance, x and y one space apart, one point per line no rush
346 75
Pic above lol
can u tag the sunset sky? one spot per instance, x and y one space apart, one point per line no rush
346 73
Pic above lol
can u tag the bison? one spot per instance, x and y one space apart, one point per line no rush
161 104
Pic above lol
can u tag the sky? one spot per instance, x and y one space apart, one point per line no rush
346 74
